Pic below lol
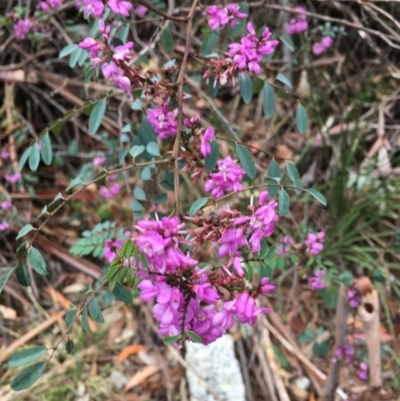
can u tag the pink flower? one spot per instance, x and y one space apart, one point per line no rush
363 371
6 205
354 296
94 8
140 10
148 291
298 24
218 18
205 293
318 281
315 243
49 5
110 249
13 178
123 52
231 240
163 121
92 45
249 52
192 122
99 160
206 140
237 265
4 155
22 28
227 179
322 46
120 7
265 286
4 226
112 71
111 191
285 245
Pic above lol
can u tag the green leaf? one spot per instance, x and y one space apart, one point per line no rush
172 339
146 174
211 160
69 346
46 150
127 248
26 356
161 198
23 275
4 278
246 160
317 195
268 100
57 127
274 173
96 117
301 119
284 202
95 312
27 228
209 41
85 321
70 316
294 177
28 376
34 157
65 51
197 205
76 181
246 87
139 194
74 58
136 206
258 84
153 149
37 262
193 336
287 40
143 259
167 40
122 294
24 157
282 78
136 150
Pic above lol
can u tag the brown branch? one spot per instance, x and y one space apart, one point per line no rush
179 82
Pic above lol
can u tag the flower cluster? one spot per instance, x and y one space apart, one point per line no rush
96 7
227 179
49 5
111 247
315 243
248 54
218 18
319 281
363 371
22 27
344 352
203 299
163 121
322 46
298 24
111 190
354 296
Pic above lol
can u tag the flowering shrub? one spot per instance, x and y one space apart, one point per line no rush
194 265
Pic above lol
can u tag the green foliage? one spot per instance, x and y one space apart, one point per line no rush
95 311
268 100
167 40
301 119
37 262
28 376
209 41
92 241
4 278
246 87
25 356
96 117
197 205
246 161
211 160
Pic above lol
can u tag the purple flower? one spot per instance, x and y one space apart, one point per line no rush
111 191
120 7
123 52
231 240
285 245
4 226
344 351
318 281
249 52
227 179
110 248
94 8
13 178
148 291
163 121
49 5
265 286
140 10
218 18
92 45
206 140
225 318
363 371
205 293
315 243
298 24
246 308
4 154
5 205
112 71
354 296
99 160
237 265
322 46
22 28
